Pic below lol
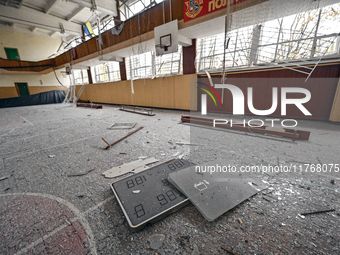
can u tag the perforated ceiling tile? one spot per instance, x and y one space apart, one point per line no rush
122 126
148 196
213 194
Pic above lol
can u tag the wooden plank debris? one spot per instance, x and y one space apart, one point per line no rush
139 110
290 133
317 212
89 105
134 131
80 173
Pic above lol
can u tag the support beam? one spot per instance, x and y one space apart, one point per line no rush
104 6
33 29
50 5
27 16
52 33
89 75
75 13
110 58
122 70
189 55
185 42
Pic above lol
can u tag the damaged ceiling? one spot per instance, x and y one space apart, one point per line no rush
57 18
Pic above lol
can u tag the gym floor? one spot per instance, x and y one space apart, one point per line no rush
44 210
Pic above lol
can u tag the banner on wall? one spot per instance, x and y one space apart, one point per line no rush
198 8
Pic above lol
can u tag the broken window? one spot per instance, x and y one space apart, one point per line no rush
129 8
80 77
169 64
114 71
106 72
101 73
139 66
302 36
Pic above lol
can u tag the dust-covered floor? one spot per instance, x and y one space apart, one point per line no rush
44 210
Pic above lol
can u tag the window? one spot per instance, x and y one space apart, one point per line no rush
12 54
101 73
106 72
147 65
211 50
139 66
307 35
80 77
114 71
130 8
169 64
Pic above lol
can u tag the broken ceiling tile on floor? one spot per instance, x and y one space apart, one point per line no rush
121 126
134 166
213 194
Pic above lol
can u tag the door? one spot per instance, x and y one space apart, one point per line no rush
22 89
12 54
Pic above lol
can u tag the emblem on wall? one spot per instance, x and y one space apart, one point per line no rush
194 7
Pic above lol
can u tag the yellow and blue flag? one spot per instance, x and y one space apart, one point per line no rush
88 29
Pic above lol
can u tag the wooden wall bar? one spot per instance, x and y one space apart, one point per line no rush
8 92
168 92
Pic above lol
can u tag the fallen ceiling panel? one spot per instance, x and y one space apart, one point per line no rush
215 193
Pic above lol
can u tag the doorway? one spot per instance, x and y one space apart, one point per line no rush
22 88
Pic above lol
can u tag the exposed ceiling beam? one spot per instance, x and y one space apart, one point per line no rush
27 16
50 5
73 14
103 6
185 42
52 33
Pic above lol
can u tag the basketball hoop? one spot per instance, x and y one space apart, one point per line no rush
162 46
160 49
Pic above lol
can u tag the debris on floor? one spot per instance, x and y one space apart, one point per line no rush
157 197
139 110
214 194
106 142
289 133
156 241
131 167
229 251
39 195
185 143
317 212
121 126
3 178
80 173
132 132
90 105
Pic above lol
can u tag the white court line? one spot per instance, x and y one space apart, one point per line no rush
56 146
26 120
79 216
